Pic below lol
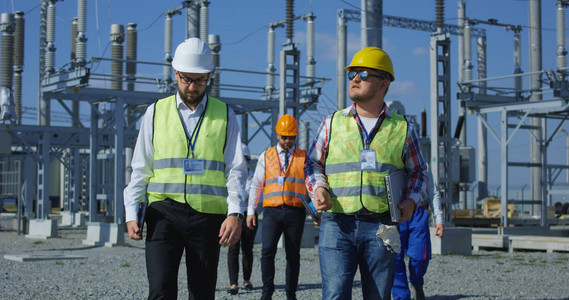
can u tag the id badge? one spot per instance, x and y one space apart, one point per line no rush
280 181
194 166
367 159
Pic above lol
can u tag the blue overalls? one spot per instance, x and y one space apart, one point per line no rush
416 244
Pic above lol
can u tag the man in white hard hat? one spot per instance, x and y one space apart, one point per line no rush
186 145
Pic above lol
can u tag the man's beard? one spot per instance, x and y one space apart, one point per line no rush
192 98
286 147
357 98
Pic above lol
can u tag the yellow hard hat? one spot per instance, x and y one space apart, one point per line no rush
287 126
373 58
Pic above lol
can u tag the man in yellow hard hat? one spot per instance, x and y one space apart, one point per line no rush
186 145
279 181
354 150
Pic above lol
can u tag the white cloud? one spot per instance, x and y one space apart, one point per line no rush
405 88
421 51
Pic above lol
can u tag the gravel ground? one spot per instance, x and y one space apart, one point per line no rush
120 273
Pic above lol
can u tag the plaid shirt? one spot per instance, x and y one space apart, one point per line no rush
415 165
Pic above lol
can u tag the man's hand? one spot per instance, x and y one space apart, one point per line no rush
439 230
134 232
407 208
318 219
230 231
251 222
322 199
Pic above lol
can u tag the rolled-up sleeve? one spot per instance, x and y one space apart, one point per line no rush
415 165
314 166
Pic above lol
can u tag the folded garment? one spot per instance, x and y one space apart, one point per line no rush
390 237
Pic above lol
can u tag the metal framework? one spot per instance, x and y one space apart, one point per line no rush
442 143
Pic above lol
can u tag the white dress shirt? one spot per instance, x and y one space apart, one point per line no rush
434 198
143 158
258 181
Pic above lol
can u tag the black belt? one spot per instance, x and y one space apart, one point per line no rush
372 216
287 206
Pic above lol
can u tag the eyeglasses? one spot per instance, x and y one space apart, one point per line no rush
363 75
199 82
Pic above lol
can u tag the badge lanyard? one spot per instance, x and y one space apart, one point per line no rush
367 156
190 165
197 130
365 136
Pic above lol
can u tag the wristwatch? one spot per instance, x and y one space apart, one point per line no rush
239 216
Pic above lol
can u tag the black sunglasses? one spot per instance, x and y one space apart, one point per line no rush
363 75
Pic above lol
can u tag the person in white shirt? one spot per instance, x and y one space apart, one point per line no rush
186 144
248 232
279 182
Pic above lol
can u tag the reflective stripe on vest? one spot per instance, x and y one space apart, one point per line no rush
350 187
293 188
206 192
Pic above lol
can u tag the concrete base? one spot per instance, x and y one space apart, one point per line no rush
105 234
23 225
455 240
548 244
489 241
41 257
42 229
67 219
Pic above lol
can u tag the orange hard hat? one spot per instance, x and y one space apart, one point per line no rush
286 125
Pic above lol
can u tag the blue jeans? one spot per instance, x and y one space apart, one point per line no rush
346 243
416 244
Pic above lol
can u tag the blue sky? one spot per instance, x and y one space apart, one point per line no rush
240 25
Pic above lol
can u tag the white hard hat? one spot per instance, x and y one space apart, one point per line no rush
193 56
245 149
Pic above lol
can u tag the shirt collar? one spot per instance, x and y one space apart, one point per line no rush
352 110
279 149
181 105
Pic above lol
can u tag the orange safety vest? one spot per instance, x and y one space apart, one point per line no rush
293 188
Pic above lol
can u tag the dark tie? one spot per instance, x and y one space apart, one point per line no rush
286 160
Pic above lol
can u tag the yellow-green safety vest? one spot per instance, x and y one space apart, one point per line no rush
205 192
350 187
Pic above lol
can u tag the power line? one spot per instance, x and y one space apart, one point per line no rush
246 36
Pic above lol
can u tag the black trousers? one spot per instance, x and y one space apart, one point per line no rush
246 245
173 228
276 221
